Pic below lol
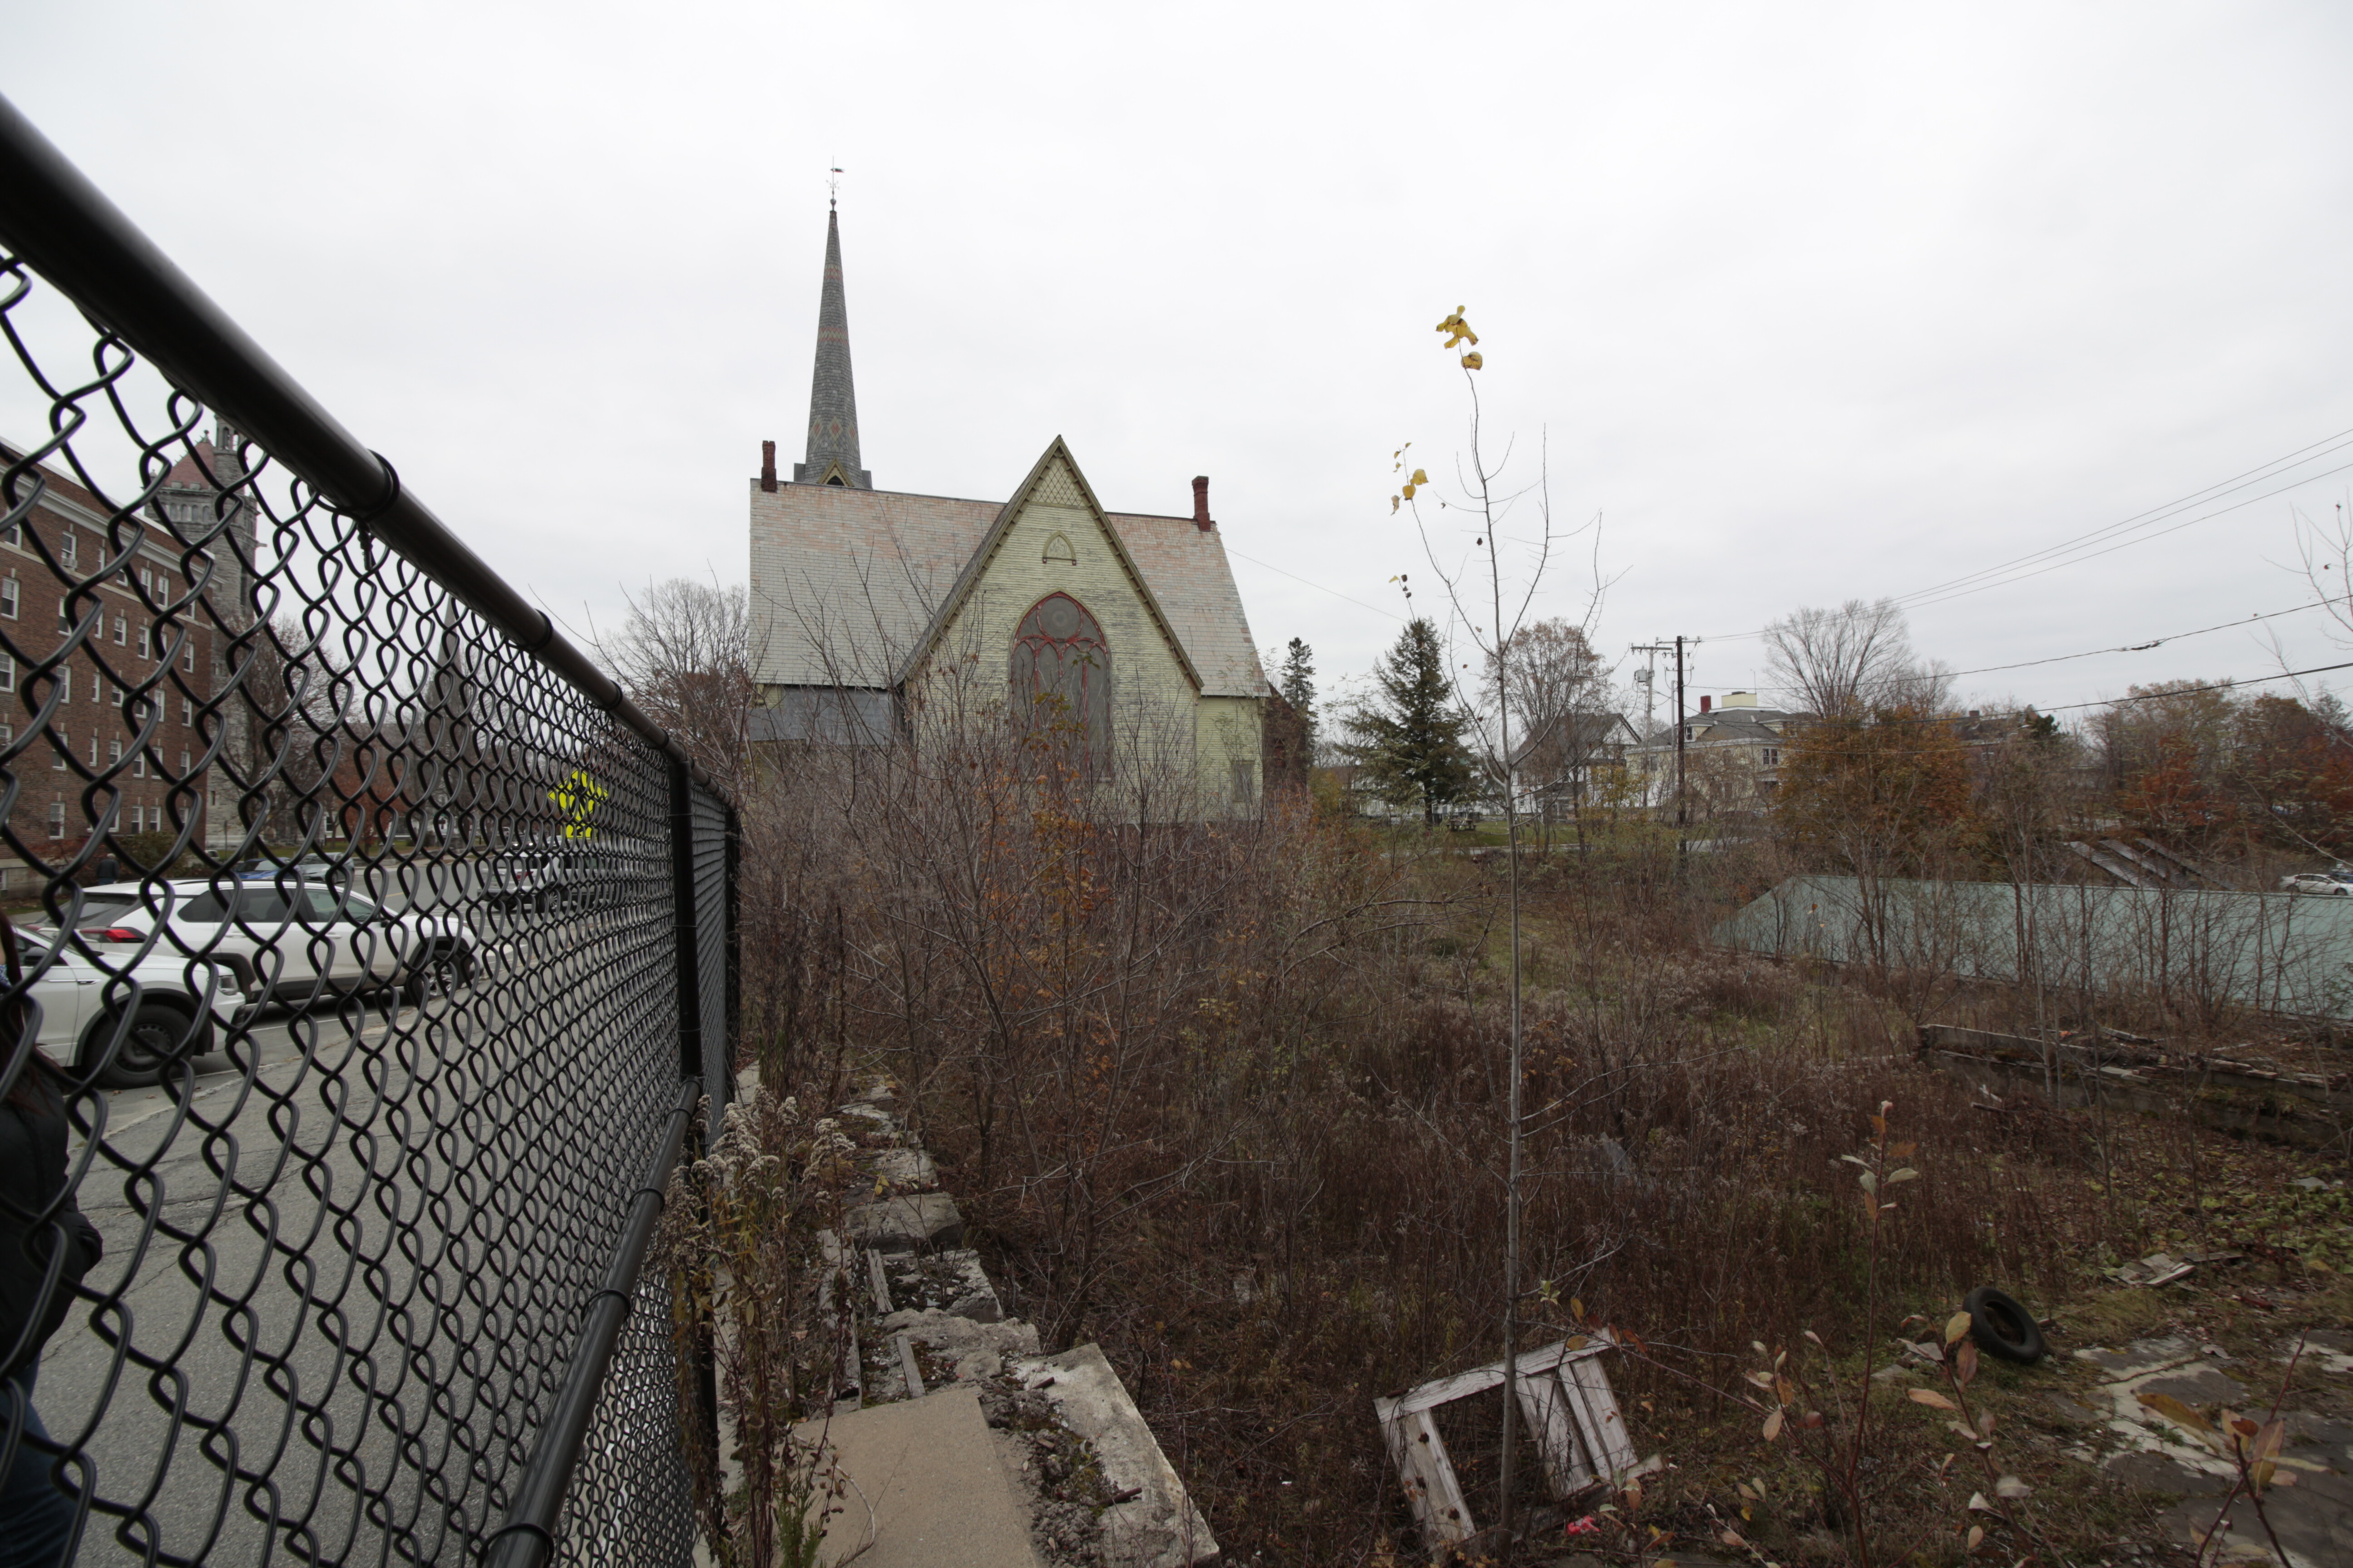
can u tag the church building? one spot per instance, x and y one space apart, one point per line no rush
864 601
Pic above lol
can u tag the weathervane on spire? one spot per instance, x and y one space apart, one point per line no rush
833 191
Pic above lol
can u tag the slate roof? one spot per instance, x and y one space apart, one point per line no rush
862 571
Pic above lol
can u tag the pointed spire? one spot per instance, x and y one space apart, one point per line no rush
833 399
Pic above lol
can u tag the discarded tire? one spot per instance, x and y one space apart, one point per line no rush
2004 1327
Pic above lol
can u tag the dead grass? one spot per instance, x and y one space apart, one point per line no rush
1247 1136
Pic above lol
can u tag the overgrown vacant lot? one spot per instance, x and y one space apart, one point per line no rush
1230 1101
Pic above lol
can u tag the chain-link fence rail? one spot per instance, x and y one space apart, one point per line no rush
369 954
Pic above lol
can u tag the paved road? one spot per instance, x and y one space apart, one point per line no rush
347 1263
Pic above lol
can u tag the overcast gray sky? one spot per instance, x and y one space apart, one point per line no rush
1810 302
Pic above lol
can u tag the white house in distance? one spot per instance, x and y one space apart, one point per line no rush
1732 750
859 596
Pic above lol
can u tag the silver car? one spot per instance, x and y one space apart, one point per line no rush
300 938
2328 884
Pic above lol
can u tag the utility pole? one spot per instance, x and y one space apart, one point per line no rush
1682 810
1647 678
1680 732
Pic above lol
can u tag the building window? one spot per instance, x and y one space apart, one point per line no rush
1245 782
9 588
64 744
1772 758
65 621
189 654
65 685
188 710
1687 731
121 631
138 765
8 672
1062 669
146 641
56 819
184 761
68 551
13 535
114 754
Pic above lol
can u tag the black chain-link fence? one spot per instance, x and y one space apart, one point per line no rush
370 955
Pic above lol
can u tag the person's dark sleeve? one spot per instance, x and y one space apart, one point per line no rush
84 1248
32 1173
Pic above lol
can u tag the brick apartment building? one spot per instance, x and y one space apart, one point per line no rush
138 669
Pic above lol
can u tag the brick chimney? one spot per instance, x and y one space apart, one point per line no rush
1201 503
768 466
1704 703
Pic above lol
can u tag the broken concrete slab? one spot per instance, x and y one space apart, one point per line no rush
925 1488
1155 1525
2330 1350
908 1170
2160 1452
953 1282
870 1120
968 1350
906 1222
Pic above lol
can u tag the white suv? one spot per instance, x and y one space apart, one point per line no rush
300 938
89 1022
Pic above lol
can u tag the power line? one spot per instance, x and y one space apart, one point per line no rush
2051 554
2132 648
1930 596
2191 690
1317 587
2073 551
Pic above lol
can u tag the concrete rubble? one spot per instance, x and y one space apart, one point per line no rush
957 1441
2133 1433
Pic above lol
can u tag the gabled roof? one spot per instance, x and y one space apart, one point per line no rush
1584 733
850 582
1056 456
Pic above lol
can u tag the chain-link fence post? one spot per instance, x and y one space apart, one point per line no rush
693 1061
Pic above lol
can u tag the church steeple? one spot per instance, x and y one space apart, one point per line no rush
833 399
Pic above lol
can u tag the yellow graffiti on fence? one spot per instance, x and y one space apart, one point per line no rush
578 799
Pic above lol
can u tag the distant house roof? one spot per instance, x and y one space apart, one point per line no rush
1739 724
1579 736
852 579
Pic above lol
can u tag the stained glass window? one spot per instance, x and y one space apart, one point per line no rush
1062 669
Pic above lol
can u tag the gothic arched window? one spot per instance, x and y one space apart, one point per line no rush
1062 669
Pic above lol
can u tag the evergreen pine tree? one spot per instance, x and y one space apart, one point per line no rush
1298 688
1411 744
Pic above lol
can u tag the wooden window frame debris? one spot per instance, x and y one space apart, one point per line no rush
1572 1414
